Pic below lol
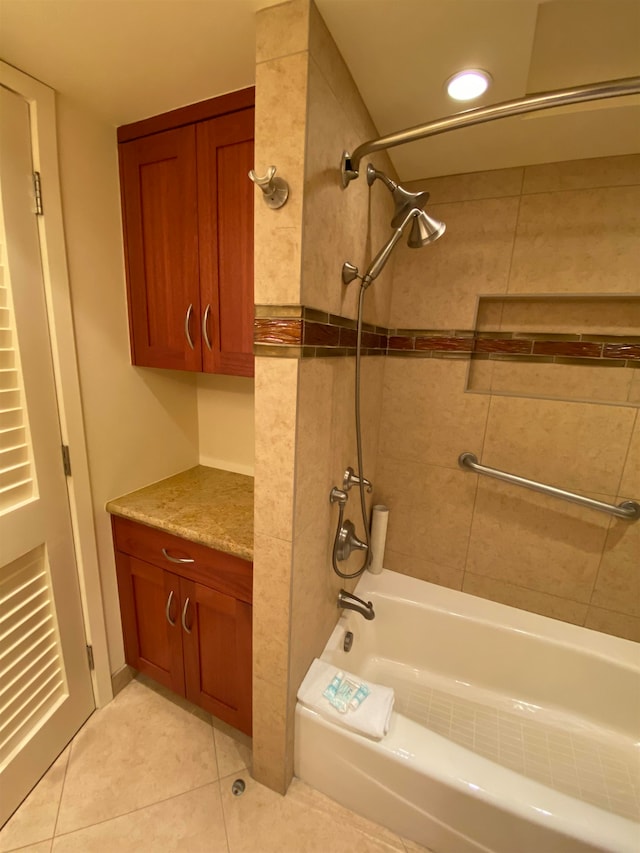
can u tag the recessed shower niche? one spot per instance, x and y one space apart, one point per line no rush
583 348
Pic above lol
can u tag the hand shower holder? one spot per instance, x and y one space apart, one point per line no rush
276 190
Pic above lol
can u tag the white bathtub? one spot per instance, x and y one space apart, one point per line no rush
511 733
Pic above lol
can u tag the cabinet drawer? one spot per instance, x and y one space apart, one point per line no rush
224 572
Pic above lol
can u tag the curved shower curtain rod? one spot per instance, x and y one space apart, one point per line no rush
531 103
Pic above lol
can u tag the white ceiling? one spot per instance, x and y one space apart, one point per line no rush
129 59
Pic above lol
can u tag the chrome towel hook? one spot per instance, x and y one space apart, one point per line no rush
276 190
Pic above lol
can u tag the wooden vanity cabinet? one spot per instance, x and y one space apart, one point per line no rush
186 618
187 206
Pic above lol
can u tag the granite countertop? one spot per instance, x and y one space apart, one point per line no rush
204 505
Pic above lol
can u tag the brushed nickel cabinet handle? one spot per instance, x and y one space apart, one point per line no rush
187 319
184 616
205 321
176 559
167 610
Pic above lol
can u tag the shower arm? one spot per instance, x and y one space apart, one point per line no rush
531 103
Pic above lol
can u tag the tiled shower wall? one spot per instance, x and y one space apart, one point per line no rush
307 110
545 230
564 228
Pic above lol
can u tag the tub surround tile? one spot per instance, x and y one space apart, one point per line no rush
432 510
553 228
475 185
503 345
422 569
548 379
630 485
358 124
576 446
610 315
204 505
535 541
276 401
278 234
195 818
438 286
618 582
277 257
626 350
313 475
577 348
278 330
634 388
339 221
426 416
269 764
582 174
314 598
271 608
618 624
147 749
35 820
525 599
303 332
282 30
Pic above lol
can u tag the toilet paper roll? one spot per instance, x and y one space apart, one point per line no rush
379 521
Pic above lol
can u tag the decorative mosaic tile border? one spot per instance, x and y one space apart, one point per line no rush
294 331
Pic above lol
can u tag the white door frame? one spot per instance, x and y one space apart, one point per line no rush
41 100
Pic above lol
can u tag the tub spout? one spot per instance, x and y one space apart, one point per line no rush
352 602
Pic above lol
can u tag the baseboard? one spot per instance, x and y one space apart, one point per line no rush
121 678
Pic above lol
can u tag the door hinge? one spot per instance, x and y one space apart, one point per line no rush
66 460
90 657
37 189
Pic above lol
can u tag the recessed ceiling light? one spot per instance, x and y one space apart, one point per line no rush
469 84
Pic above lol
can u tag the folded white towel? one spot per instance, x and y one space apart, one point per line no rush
371 717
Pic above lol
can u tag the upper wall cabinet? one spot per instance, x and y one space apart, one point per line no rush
188 232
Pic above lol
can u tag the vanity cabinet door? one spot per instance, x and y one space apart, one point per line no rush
225 213
160 216
187 626
187 205
217 653
150 608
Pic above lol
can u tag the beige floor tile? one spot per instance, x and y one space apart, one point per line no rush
138 750
233 749
42 847
35 820
191 821
303 820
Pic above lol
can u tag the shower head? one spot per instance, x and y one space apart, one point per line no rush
425 229
409 209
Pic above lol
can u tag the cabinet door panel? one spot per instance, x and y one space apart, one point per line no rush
149 598
225 206
160 211
217 654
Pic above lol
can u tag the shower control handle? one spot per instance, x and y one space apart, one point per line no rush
352 479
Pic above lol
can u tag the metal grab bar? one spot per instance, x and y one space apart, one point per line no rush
627 509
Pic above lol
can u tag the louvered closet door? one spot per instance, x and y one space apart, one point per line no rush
45 684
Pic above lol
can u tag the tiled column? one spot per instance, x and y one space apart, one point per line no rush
281 99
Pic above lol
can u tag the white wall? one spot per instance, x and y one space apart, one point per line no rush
226 422
141 423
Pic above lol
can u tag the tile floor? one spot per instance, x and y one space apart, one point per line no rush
151 773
